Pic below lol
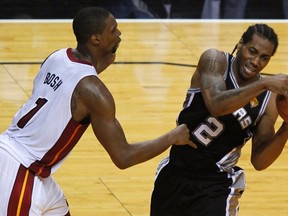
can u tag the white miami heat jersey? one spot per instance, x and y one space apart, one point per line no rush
43 131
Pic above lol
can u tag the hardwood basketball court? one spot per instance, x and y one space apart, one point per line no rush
149 80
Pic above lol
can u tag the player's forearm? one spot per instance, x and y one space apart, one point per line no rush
144 151
231 100
267 154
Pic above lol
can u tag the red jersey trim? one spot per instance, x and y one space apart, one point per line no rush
20 198
66 142
73 59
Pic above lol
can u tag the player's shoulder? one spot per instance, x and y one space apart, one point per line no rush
93 94
213 52
213 55
91 87
89 82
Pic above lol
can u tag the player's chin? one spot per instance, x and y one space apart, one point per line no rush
114 49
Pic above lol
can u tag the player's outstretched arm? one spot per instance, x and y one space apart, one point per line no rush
99 105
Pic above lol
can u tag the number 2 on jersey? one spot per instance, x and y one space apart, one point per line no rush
25 119
208 130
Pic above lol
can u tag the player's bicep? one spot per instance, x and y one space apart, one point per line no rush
211 68
101 110
110 134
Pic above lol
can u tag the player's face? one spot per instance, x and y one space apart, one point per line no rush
110 37
254 56
107 44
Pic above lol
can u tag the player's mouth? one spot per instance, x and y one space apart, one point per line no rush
114 49
250 70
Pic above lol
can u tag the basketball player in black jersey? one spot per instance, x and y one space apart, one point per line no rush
228 103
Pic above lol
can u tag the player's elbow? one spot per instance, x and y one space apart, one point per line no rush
214 108
215 111
258 165
217 107
125 158
259 168
121 164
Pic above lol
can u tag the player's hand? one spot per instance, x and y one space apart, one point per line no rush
183 136
277 83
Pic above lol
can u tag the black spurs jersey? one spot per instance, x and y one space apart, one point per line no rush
220 139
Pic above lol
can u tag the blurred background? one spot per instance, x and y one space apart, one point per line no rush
148 9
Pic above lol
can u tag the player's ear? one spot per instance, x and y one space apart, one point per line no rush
240 44
95 38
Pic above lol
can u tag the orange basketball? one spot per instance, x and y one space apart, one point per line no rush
282 106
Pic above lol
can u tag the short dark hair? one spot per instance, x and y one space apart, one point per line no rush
263 30
88 21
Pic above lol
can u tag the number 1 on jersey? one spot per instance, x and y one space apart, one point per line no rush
25 119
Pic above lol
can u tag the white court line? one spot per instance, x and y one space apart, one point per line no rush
153 20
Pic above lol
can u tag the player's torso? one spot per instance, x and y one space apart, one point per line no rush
217 137
44 123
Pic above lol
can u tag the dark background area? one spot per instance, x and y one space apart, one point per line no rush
133 9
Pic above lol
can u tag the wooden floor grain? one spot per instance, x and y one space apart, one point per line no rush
148 81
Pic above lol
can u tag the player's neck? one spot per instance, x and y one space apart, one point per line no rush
82 54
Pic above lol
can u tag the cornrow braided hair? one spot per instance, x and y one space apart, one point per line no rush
262 30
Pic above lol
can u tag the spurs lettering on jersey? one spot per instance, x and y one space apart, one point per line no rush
53 81
243 118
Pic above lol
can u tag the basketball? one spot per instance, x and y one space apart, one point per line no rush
282 106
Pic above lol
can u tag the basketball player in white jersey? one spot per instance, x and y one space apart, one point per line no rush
68 96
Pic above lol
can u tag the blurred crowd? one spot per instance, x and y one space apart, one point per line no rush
142 9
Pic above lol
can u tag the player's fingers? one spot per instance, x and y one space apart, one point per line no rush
193 145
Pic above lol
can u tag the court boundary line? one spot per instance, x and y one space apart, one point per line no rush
120 62
15 21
